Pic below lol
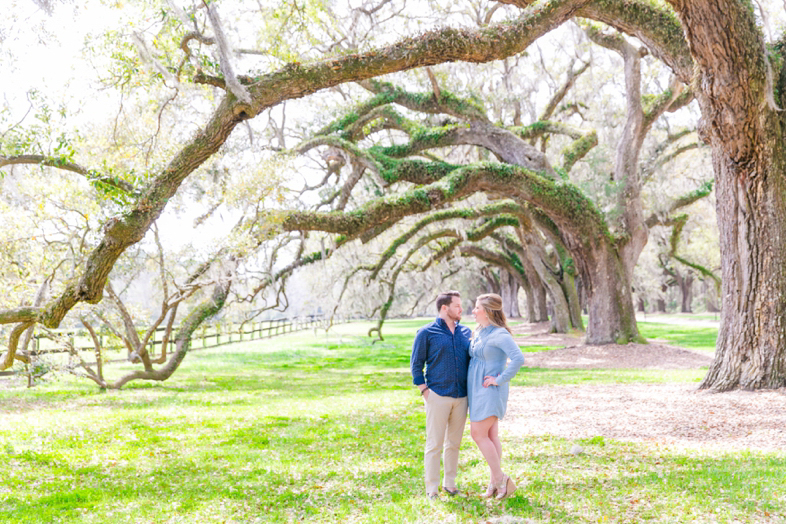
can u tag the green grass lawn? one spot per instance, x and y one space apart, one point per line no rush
686 336
323 428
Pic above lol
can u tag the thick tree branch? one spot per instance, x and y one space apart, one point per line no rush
231 80
20 314
295 81
733 72
701 269
448 214
543 127
578 150
13 343
65 165
685 200
437 102
188 326
564 203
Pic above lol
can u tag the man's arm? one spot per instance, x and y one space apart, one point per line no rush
418 360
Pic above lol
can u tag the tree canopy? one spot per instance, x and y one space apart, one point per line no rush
409 157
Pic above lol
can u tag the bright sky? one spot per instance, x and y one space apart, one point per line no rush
43 51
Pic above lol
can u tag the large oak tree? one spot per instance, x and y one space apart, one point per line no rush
714 46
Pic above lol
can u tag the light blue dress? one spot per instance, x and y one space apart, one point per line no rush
489 352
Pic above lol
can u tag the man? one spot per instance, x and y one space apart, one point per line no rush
443 347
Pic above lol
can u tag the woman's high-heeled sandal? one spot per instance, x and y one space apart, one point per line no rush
490 491
509 487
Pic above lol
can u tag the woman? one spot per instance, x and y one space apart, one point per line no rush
488 385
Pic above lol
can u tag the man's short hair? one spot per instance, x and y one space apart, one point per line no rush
445 298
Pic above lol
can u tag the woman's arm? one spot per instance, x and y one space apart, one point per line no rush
512 350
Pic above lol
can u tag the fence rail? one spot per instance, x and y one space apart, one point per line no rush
207 336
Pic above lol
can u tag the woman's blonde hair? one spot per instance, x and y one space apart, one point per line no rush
492 305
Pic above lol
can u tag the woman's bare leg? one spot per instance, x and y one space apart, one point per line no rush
481 434
494 436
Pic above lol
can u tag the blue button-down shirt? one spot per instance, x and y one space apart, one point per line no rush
446 357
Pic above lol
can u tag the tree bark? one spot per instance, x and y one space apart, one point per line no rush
531 311
685 283
560 321
570 290
540 303
505 291
515 311
612 318
751 347
749 159
491 280
710 293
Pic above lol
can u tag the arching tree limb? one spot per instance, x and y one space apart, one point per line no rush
59 163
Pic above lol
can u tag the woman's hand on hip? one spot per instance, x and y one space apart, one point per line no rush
489 381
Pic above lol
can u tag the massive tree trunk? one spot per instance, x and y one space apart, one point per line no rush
734 81
610 302
746 135
751 348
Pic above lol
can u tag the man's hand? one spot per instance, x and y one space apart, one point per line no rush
424 392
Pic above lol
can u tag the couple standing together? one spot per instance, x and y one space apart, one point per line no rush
465 370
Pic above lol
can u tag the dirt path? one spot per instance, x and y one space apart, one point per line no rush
676 415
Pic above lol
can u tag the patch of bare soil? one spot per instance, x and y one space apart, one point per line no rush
575 354
538 335
675 415
652 356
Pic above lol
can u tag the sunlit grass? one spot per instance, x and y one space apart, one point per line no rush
566 376
686 336
317 428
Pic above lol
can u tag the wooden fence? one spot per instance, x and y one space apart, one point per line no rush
207 336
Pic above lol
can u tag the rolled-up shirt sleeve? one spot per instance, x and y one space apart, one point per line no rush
512 350
418 359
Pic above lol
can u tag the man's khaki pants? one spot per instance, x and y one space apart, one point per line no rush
445 419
